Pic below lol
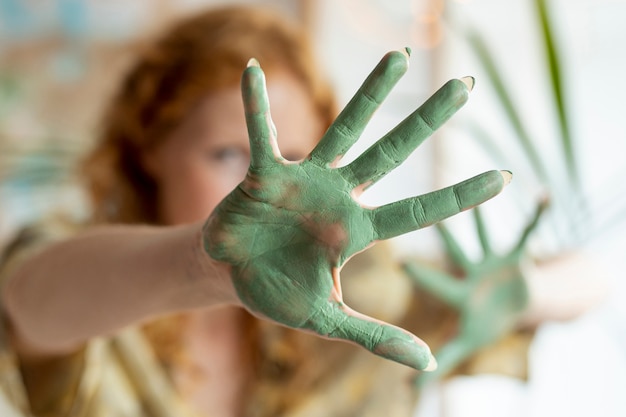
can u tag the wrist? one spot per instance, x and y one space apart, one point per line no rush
217 273
202 282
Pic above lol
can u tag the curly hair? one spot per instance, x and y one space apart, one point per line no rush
197 56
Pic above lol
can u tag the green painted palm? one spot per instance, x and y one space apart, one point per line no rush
490 294
290 226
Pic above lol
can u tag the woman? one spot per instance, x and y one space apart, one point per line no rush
282 221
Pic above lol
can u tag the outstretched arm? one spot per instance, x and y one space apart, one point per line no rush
94 283
276 244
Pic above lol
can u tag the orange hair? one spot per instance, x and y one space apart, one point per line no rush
198 55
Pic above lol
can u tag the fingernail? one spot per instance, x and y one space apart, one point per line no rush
253 63
507 176
432 364
469 82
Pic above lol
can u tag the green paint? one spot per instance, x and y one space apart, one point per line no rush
395 146
490 295
351 122
288 228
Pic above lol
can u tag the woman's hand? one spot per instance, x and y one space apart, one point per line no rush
289 227
490 295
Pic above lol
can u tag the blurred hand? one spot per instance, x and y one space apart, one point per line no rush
490 295
290 226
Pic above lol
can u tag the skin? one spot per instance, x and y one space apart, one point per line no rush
289 227
491 296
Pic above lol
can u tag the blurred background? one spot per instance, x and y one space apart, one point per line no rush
548 105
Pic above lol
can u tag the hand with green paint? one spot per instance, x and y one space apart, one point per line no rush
490 295
290 226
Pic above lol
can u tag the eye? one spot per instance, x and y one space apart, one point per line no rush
231 157
229 154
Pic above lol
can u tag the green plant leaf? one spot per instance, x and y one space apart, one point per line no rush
554 67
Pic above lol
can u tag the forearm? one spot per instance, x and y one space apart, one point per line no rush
110 277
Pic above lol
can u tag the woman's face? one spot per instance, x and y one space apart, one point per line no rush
208 155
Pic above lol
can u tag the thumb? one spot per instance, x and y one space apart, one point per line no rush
335 320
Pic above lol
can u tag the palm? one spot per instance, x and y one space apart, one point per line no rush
292 238
289 227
